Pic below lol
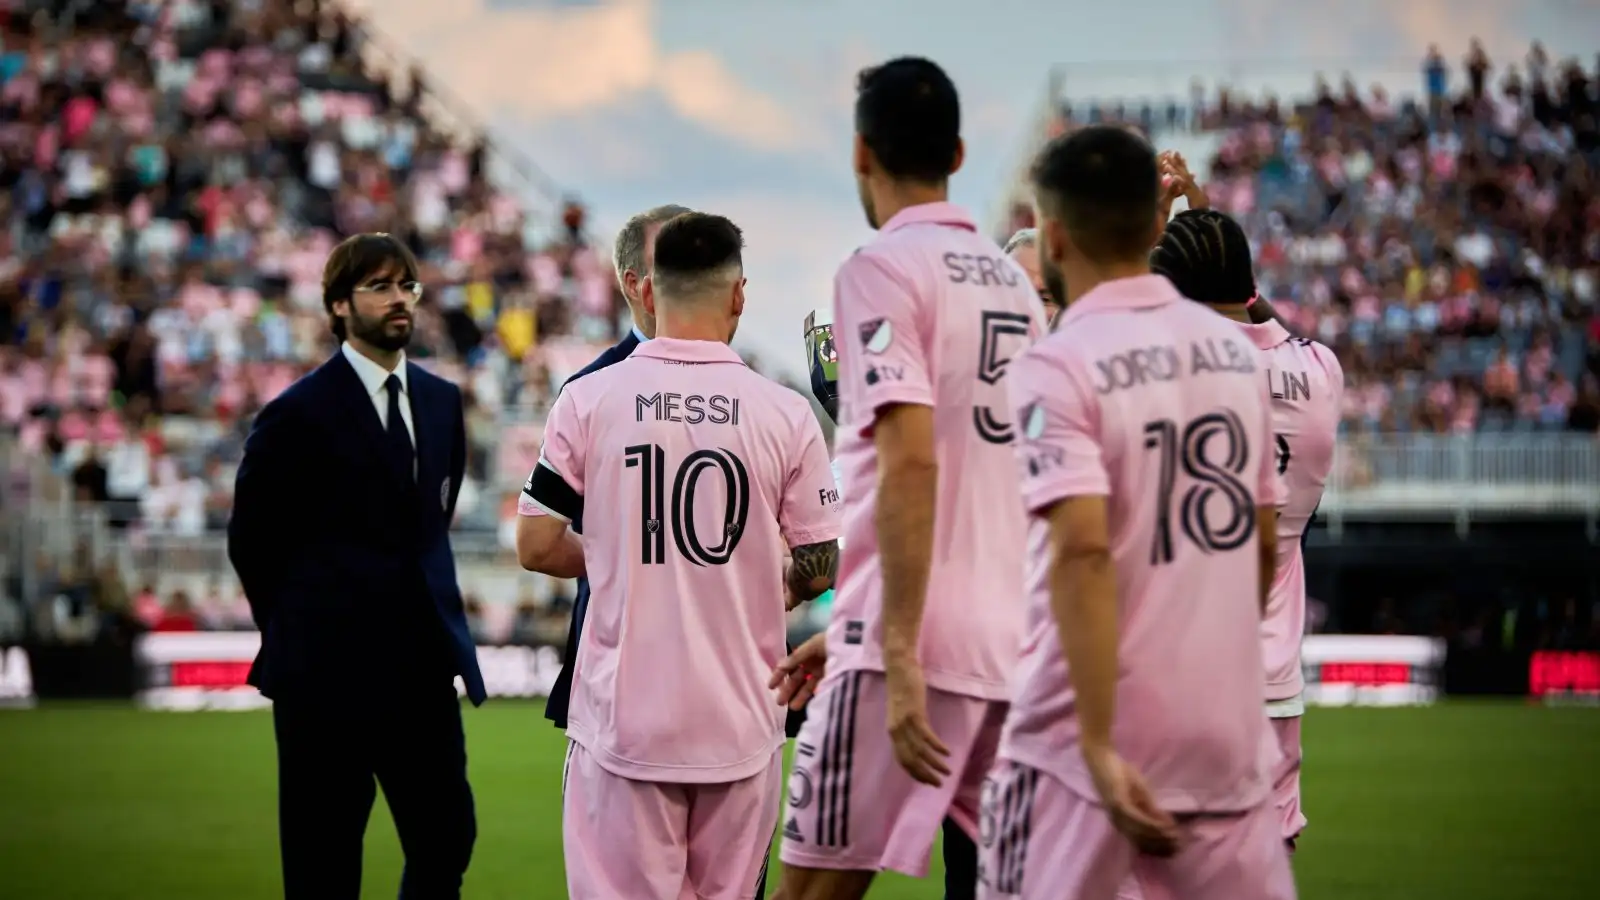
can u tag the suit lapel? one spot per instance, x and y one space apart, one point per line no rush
358 406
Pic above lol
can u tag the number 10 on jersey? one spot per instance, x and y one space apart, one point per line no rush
656 517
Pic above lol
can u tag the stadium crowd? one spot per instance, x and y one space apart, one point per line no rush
1446 245
175 173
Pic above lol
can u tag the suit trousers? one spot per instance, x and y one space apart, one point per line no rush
333 754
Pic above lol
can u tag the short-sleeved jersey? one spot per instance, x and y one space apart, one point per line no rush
931 313
690 490
1306 383
1159 405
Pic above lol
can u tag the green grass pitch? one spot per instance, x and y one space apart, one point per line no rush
1462 801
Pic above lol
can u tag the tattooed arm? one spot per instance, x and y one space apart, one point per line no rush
811 571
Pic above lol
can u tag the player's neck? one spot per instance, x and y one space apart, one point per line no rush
895 196
389 359
1086 276
691 330
1234 311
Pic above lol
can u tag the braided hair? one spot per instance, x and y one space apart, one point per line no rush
1206 255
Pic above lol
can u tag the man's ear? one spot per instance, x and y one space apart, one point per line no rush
630 284
647 293
738 296
862 158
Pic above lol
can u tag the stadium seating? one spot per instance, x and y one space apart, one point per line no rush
1446 245
176 174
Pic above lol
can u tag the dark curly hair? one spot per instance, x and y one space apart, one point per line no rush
1206 255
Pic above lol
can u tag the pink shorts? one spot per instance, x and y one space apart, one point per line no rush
1286 778
851 807
626 838
1041 840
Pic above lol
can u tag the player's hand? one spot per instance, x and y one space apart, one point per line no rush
1128 801
797 677
918 749
1178 181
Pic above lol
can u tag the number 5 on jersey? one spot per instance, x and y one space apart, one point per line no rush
993 359
651 460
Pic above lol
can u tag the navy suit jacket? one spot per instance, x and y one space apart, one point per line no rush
561 693
344 557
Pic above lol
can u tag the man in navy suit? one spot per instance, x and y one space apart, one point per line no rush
633 254
340 538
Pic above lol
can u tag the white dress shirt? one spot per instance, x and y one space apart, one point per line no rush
374 377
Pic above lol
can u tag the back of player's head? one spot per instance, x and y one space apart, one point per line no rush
1206 255
909 116
1103 185
697 254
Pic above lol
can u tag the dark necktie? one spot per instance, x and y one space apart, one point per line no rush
399 438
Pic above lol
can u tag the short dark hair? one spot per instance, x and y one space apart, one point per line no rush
1206 256
358 258
1104 185
909 115
693 245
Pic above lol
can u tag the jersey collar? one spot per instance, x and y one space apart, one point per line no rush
1138 292
678 350
947 214
1267 335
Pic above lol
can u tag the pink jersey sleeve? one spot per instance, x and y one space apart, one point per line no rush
879 316
1059 453
555 487
810 510
1270 489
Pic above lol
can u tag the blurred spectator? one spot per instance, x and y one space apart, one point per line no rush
179 615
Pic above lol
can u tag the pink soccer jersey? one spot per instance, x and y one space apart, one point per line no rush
1159 405
931 313
692 475
1307 387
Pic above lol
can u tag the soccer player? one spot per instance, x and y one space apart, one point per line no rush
633 254
1206 255
927 617
691 474
1136 742
1023 248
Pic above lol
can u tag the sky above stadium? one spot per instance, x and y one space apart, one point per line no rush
743 108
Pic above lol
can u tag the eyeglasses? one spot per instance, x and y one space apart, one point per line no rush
414 288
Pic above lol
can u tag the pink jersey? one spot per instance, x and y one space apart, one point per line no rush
1158 404
1307 387
931 313
692 476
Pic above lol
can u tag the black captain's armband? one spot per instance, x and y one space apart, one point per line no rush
553 494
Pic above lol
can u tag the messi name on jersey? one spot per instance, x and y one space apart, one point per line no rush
693 409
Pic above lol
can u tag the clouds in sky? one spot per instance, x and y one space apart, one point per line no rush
744 108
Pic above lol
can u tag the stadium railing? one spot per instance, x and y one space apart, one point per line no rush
1443 478
1463 477
453 115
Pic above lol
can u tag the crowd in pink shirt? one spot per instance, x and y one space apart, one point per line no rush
175 174
1447 246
